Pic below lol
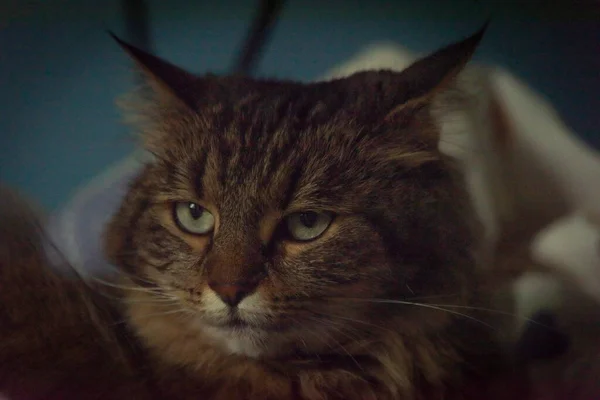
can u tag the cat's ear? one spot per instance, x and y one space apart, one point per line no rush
423 79
166 79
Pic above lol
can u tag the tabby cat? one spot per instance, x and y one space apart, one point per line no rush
287 241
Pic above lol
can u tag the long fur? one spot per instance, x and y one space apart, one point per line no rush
353 314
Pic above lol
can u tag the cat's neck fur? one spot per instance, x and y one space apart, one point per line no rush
407 365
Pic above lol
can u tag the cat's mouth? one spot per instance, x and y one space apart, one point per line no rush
237 323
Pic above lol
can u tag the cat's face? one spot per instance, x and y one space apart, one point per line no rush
279 217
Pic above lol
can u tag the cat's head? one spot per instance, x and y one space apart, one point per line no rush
280 217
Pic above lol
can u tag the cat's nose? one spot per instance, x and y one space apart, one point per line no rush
231 294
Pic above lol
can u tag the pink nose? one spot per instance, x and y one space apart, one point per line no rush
231 294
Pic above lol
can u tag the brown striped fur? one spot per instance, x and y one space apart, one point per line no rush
252 151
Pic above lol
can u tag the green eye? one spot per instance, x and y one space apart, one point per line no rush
307 225
193 218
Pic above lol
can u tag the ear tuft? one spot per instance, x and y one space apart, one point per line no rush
421 80
165 78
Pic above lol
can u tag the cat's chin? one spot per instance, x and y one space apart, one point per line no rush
254 341
238 339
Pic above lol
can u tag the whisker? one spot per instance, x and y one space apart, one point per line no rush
437 296
430 306
159 314
305 344
349 332
153 301
120 272
157 298
109 296
125 287
499 312
338 323
474 308
353 320
354 360
319 337
138 278
338 343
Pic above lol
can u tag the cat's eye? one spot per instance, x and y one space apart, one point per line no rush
307 225
193 218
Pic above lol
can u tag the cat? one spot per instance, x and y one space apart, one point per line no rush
287 241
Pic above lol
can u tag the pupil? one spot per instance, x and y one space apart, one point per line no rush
309 219
195 210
